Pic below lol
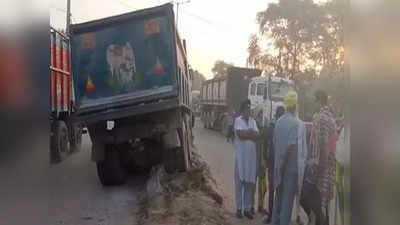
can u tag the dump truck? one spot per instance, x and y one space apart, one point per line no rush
65 136
224 93
132 90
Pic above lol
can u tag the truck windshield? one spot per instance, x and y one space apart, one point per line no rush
279 89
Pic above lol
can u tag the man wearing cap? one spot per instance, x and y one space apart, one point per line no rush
286 167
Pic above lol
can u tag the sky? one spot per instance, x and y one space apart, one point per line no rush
213 29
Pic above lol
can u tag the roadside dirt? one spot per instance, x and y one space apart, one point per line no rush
190 198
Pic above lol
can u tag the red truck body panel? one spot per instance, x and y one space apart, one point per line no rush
60 73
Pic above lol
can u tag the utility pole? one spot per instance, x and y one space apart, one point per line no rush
177 10
68 16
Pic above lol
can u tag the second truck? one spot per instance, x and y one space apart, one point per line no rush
225 93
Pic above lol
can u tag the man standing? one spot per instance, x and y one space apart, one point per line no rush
261 159
280 110
285 168
320 172
231 118
246 132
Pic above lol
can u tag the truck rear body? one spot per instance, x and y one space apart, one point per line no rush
221 94
124 62
228 90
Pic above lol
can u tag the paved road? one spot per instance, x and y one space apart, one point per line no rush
220 155
66 194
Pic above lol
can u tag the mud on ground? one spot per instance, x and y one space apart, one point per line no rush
190 198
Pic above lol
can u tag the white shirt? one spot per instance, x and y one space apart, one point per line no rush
246 155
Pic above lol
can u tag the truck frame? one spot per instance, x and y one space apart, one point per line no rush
65 137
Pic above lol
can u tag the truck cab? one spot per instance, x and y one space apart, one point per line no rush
269 92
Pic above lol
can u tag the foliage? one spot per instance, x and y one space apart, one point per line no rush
198 79
220 68
304 41
303 37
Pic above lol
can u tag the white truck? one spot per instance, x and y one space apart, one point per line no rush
268 92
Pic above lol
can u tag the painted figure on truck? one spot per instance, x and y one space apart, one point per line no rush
121 60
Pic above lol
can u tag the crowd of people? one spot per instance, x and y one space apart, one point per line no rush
283 160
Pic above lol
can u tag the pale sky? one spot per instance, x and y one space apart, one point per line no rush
213 29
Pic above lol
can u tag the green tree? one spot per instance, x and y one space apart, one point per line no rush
306 42
304 36
198 79
220 68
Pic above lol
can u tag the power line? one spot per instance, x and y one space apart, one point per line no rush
198 17
208 21
59 10
125 4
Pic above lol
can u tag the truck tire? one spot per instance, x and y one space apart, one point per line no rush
76 138
110 170
60 146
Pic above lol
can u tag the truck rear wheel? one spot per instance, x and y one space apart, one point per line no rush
59 141
110 171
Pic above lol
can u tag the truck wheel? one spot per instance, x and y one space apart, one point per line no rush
76 138
59 141
110 171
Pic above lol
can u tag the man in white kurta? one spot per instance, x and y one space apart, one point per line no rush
245 160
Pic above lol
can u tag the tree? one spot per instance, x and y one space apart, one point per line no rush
198 79
254 50
304 37
306 42
220 68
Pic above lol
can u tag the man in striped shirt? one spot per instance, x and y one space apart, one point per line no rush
320 172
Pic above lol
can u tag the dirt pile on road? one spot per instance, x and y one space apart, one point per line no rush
190 198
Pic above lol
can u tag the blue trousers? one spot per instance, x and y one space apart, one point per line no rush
243 193
285 193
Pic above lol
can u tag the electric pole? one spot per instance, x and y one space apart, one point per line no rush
68 16
177 10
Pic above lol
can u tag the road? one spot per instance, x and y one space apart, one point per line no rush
82 200
65 194
220 155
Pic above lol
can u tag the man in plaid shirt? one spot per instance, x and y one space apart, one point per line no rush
319 177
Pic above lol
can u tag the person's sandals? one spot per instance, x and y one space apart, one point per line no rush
248 215
239 214
262 210
267 220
